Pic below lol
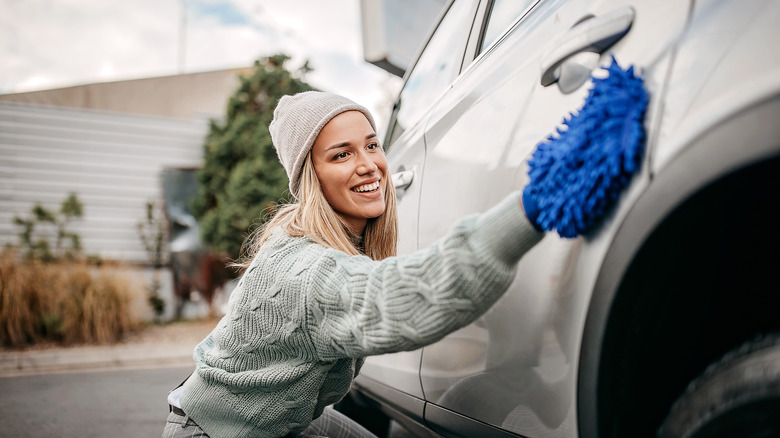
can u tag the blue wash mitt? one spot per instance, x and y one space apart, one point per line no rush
578 173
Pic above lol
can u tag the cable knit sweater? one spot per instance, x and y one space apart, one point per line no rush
303 316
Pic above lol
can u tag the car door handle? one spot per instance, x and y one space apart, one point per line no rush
595 34
403 179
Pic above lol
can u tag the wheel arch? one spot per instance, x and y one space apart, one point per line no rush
675 251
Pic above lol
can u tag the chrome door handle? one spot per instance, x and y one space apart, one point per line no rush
403 179
596 34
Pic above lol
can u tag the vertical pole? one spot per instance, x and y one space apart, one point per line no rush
182 35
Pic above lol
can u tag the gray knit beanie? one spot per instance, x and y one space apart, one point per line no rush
298 120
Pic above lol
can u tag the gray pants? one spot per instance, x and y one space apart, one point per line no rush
331 424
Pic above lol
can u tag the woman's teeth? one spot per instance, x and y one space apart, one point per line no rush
367 187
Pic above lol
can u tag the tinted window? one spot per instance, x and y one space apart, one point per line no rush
438 65
502 14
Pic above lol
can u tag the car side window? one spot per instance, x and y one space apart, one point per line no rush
502 14
436 67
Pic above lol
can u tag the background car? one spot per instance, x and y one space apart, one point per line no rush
667 312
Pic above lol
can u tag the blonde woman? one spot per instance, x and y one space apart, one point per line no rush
323 287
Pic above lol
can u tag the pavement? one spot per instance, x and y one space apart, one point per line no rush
154 346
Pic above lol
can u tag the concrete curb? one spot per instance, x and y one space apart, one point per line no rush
90 358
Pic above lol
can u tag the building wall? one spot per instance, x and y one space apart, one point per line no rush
113 161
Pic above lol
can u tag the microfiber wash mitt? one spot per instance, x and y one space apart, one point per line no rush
578 172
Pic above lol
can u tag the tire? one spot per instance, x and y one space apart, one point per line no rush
737 396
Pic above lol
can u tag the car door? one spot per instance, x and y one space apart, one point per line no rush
396 376
514 370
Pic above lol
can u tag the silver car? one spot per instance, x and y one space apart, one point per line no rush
661 321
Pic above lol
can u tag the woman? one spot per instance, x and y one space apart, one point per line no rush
324 289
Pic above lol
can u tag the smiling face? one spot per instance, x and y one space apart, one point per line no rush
351 168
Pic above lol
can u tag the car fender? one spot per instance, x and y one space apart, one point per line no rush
745 137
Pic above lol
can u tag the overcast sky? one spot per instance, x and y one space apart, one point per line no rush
55 43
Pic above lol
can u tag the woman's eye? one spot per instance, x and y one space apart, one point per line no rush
373 146
340 156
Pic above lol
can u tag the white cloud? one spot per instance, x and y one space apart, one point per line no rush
107 70
45 43
70 41
34 82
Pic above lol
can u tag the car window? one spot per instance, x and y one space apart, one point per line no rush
436 67
502 14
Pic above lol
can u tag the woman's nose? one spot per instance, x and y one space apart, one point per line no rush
365 164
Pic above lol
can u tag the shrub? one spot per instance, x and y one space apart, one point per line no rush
65 302
242 178
153 237
20 301
37 235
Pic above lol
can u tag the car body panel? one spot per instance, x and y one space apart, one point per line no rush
522 368
705 161
719 71
408 156
402 369
519 369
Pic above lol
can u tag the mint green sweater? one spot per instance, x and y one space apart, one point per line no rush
303 316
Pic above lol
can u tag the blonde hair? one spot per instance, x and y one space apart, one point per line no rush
312 216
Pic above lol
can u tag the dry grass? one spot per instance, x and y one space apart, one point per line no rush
62 302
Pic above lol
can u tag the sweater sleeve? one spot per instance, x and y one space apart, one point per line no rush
360 307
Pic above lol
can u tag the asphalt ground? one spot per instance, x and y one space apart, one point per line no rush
131 377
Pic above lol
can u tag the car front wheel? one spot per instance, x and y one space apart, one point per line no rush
737 396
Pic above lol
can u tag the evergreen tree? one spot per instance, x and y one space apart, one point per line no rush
241 176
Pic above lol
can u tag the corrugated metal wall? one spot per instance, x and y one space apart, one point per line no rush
112 161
